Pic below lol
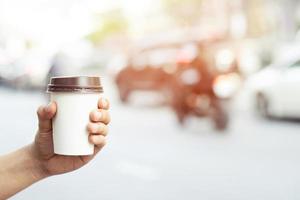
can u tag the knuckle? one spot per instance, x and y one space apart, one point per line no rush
91 127
93 114
104 142
101 140
97 139
105 130
101 128
105 117
108 118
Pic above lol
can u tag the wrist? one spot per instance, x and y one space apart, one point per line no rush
18 170
37 168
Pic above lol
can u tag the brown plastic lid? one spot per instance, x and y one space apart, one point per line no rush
81 84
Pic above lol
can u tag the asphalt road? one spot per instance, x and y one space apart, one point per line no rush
149 156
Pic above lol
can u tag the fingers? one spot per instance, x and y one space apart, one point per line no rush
45 114
97 128
103 104
98 140
100 115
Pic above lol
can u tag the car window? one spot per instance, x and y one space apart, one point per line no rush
155 58
296 64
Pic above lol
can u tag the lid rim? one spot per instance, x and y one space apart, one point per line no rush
72 86
83 84
75 91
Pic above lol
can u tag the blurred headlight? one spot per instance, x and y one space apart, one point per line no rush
226 85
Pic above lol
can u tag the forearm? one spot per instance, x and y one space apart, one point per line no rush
18 170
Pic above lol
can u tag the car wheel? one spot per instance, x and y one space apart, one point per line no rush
218 115
181 117
220 118
262 105
124 95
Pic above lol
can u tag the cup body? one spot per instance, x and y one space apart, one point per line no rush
70 135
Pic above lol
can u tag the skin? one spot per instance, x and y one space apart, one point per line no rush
37 161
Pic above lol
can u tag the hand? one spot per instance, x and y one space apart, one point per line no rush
42 149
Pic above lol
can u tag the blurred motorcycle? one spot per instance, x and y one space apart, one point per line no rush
193 94
199 88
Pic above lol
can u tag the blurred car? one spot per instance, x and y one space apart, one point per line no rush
32 69
152 64
146 70
188 75
27 71
276 89
6 64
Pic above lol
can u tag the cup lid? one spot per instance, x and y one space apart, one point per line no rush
84 84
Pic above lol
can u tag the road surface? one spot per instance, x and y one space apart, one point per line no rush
149 156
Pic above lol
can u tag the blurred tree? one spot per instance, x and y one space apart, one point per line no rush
29 44
109 24
185 12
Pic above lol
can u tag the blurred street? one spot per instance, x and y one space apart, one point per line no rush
200 90
149 156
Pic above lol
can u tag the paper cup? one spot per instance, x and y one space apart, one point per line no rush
75 98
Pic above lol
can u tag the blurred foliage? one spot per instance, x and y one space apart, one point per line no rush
29 44
185 12
109 24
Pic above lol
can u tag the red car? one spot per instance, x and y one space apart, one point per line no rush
146 70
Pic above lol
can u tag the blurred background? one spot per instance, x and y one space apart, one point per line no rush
204 93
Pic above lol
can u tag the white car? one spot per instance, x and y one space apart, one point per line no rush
277 89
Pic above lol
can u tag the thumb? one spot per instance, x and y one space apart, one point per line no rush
45 114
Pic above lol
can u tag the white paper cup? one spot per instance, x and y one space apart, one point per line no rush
75 98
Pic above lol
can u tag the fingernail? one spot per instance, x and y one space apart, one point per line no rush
104 102
48 107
